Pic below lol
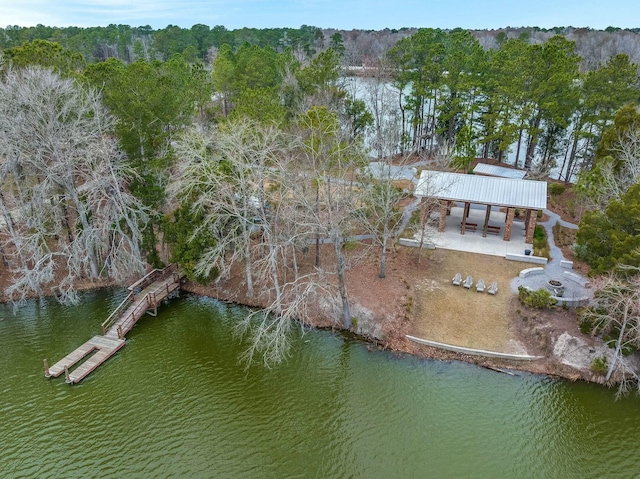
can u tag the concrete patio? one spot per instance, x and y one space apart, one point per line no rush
473 241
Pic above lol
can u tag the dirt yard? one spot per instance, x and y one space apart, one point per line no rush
464 317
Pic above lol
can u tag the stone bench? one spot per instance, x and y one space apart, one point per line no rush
526 259
566 264
573 302
415 243
576 278
566 301
525 273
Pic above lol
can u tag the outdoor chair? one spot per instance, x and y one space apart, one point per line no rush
480 286
493 289
457 279
468 282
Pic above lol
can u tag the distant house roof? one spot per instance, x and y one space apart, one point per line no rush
486 190
494 170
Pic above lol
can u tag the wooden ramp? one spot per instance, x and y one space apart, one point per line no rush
144 296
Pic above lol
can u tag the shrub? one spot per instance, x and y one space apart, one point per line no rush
542 252
600 365
555 189
350 245
539 233
611 339
586 326
540 245
538 299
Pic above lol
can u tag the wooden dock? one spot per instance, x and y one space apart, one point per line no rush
144 297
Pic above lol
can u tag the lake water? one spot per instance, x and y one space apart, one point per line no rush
174 402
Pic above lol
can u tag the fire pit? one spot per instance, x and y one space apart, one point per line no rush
556 287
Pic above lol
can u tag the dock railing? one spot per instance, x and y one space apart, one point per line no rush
113 317
151 299
164 291
145 281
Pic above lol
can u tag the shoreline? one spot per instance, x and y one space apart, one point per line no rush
402 345
396 343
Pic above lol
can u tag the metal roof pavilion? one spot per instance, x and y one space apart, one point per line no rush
486 190
494 170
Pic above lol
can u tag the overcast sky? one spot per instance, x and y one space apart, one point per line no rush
340 14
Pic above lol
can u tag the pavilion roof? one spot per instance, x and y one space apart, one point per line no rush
501 171
486 190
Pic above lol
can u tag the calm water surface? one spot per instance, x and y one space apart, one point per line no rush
175 403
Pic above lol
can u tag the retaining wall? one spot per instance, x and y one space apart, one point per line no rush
475 352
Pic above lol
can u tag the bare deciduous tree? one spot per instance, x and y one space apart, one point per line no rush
63 183
617 176
239 179
616 310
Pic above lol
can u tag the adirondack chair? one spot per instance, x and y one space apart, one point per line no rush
480 286
493 289
457 279
468 282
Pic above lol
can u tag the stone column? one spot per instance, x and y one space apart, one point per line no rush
531 226
465 214
442 224
486 221
527 219
509 224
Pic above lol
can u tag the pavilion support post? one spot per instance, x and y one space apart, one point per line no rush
530 225
509 224
486 221
442 223
465 215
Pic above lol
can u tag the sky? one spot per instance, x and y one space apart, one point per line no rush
339 14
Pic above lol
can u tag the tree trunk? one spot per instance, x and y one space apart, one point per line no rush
432 128
247 270
342 266
273 260
383 257
451 127
616 354
532 142
317 231
517 165
82 214
572 158
404 121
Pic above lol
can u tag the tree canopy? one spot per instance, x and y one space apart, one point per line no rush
610 238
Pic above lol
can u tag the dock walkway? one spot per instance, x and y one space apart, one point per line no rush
144 296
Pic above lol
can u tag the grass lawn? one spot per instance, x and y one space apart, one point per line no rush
455 315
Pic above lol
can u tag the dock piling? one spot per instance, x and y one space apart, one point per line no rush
46 368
